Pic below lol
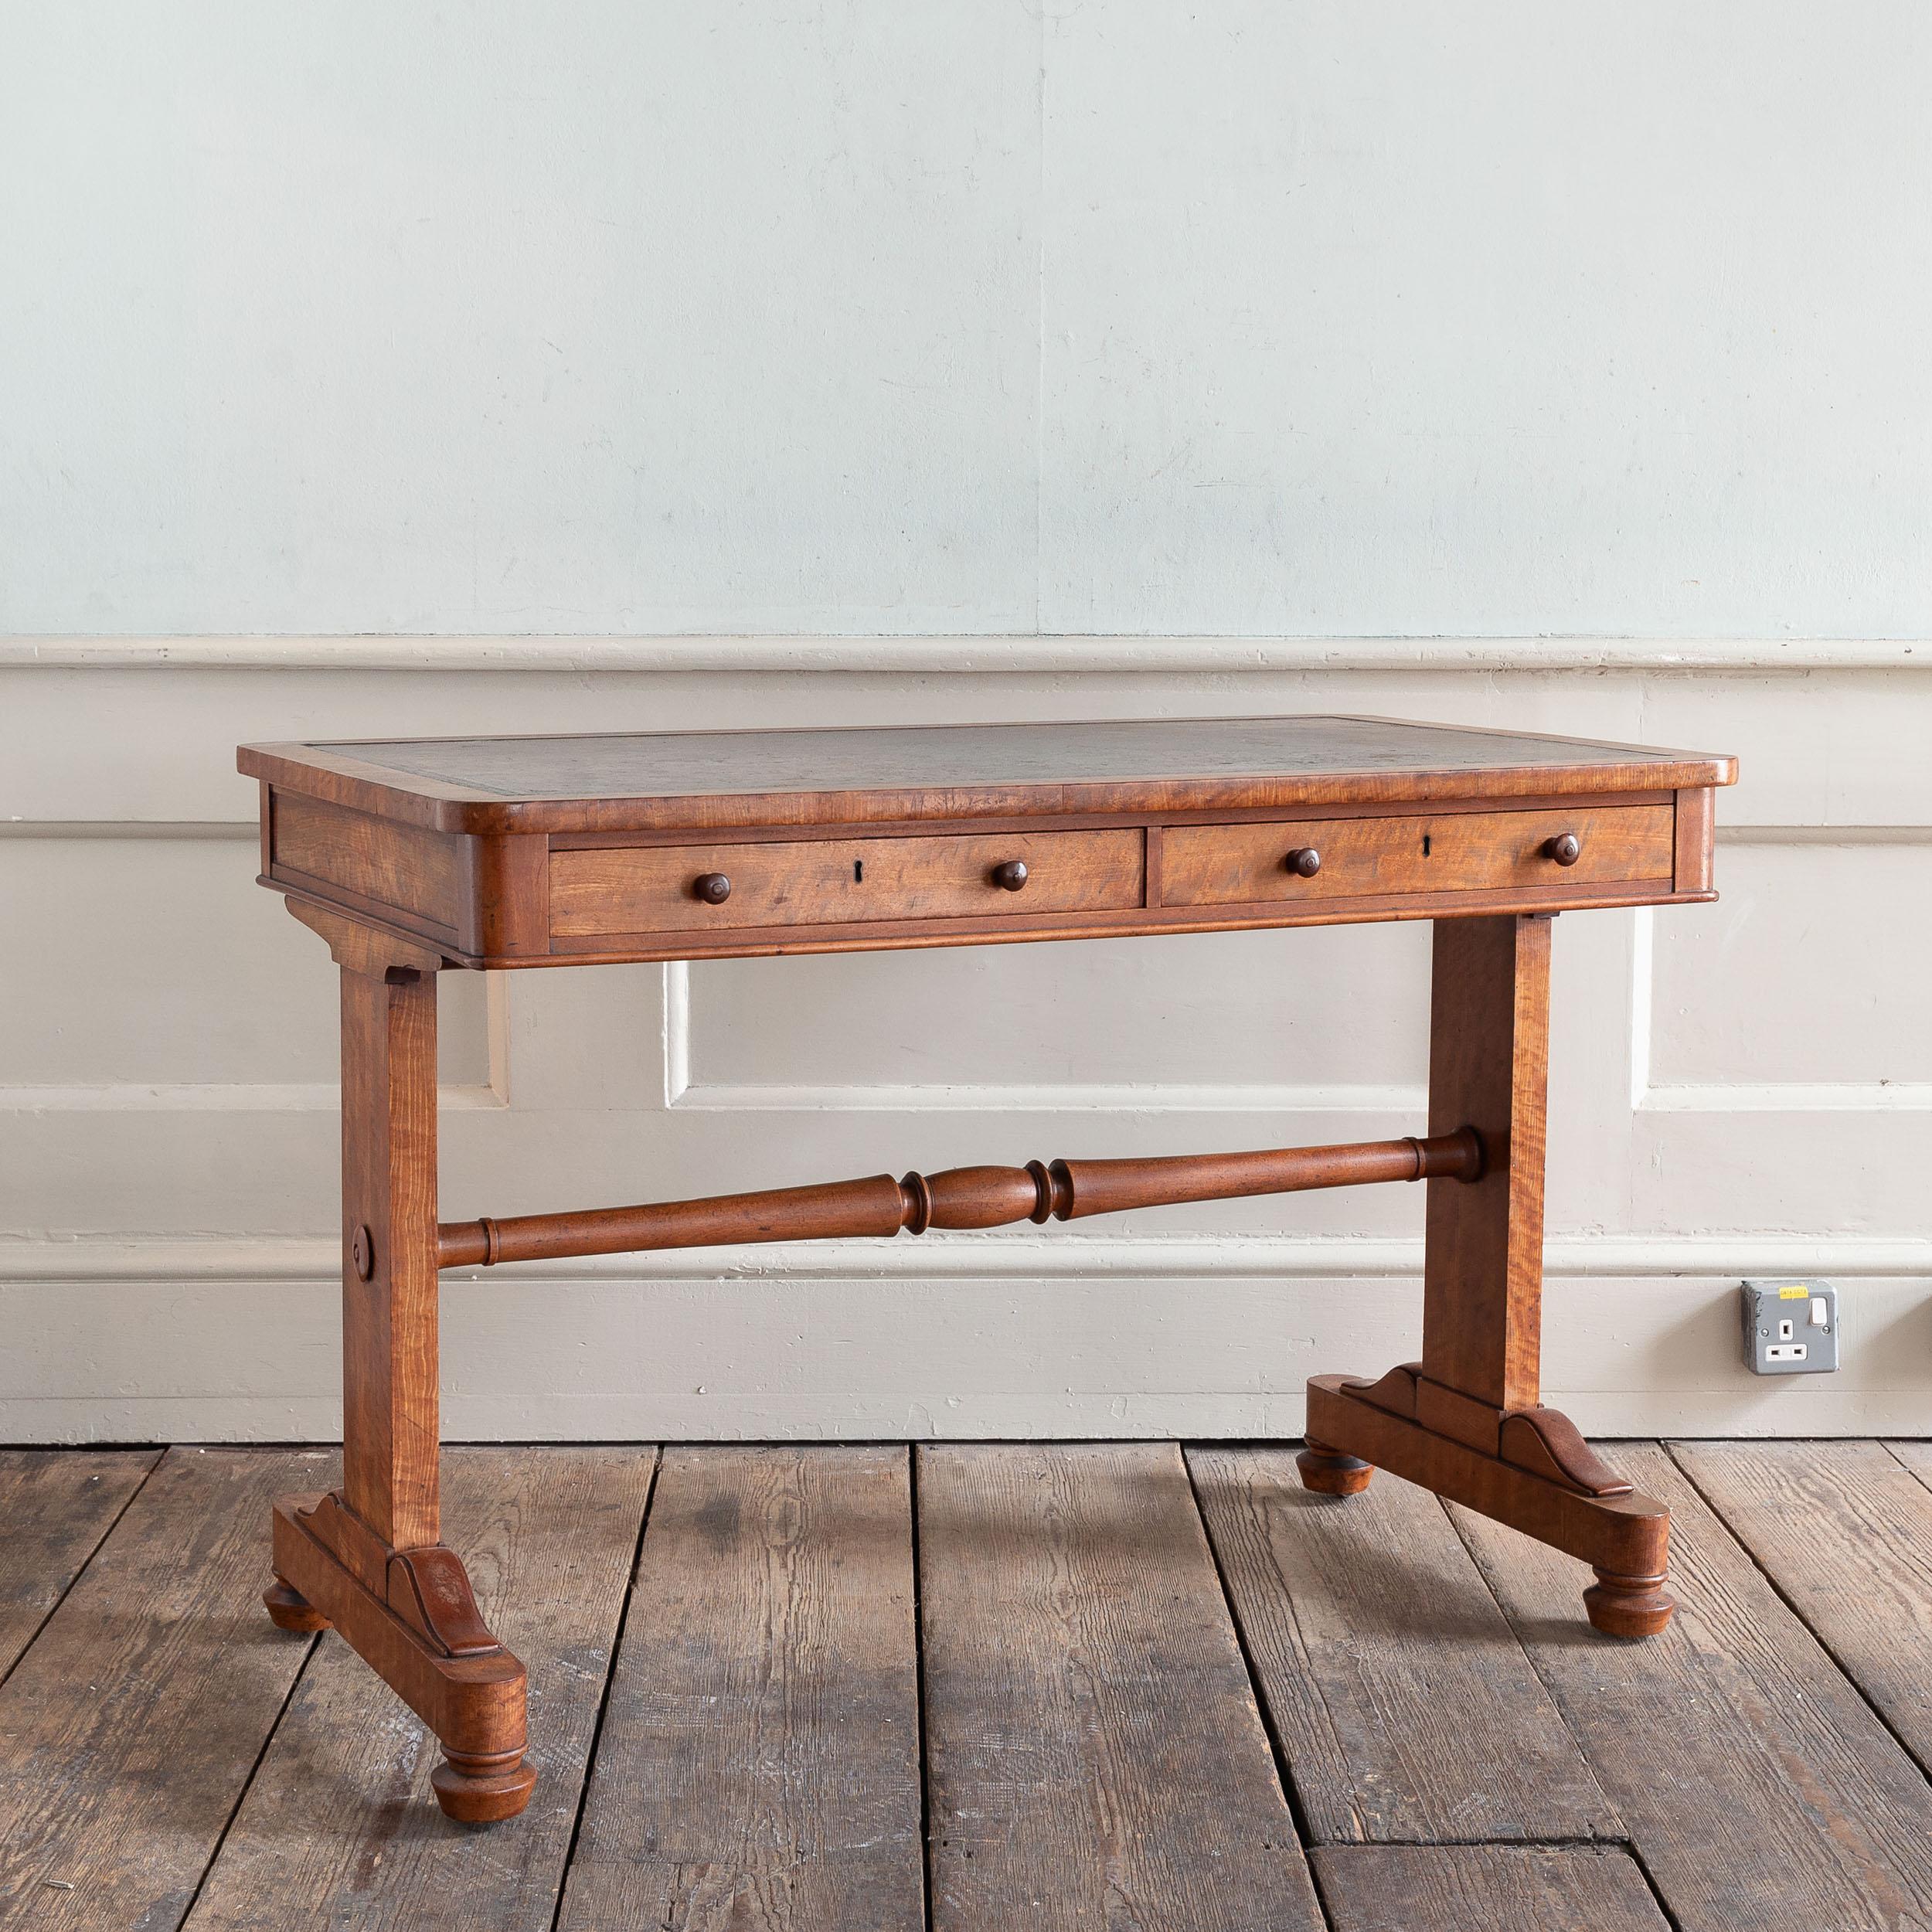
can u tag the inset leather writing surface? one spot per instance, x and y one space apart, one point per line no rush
699 779
655 764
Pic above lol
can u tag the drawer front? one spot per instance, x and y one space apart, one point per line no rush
840 881
1457 851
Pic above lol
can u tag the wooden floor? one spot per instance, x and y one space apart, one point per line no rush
1126 1687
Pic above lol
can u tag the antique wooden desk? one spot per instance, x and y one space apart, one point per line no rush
410 859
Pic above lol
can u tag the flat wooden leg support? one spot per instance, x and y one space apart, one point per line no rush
409 1615
1623 1536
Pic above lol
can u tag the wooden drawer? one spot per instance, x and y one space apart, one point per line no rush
823 882
1455 851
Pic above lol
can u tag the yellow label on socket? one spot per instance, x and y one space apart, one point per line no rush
1793 1294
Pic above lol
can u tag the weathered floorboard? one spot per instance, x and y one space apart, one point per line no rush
1400 1697
55 1505
128 1730
1094 1756
759 1764
1485 1888
1758 1788
339 1827
1844 1529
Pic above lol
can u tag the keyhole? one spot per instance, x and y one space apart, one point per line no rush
859 872
1425 845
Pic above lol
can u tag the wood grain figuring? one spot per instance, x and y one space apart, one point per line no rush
835 881
1458 852
507 905
54 1507
1465 1421
369 1560
1729 1738
1696 839
1627 1534
961 1197
1485 1888
359 944
411 1615
756 942
129 1729
1844 1530
338 1827
1400 1696
694 780
514 851
390 1375
1095 1758
1488 1068
759 1766
400 865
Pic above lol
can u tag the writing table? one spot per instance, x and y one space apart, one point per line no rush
412 858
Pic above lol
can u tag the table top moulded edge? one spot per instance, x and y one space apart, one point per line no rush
492 853
332 772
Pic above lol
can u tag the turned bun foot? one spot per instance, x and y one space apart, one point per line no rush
1329 1473
481 1790
290 1610
1627 1605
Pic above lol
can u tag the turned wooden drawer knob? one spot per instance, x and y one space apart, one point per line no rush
1566 849
712 887
1303 859
1012 874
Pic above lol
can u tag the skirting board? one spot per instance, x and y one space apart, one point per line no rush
238 1341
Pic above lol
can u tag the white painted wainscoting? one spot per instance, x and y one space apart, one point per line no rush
1740 1089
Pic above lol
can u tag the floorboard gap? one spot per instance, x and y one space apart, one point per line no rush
1656 1891
603 1702
81 1569
1283 1771
919 1682
247 1784
1322 1904
1785 1597
1476 1844
1549 1689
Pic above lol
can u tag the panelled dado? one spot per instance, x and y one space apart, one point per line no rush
508 852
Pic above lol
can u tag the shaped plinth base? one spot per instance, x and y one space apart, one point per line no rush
409 1615
1528 1468
1329 1473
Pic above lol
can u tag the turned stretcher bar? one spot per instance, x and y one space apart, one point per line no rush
962 1197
